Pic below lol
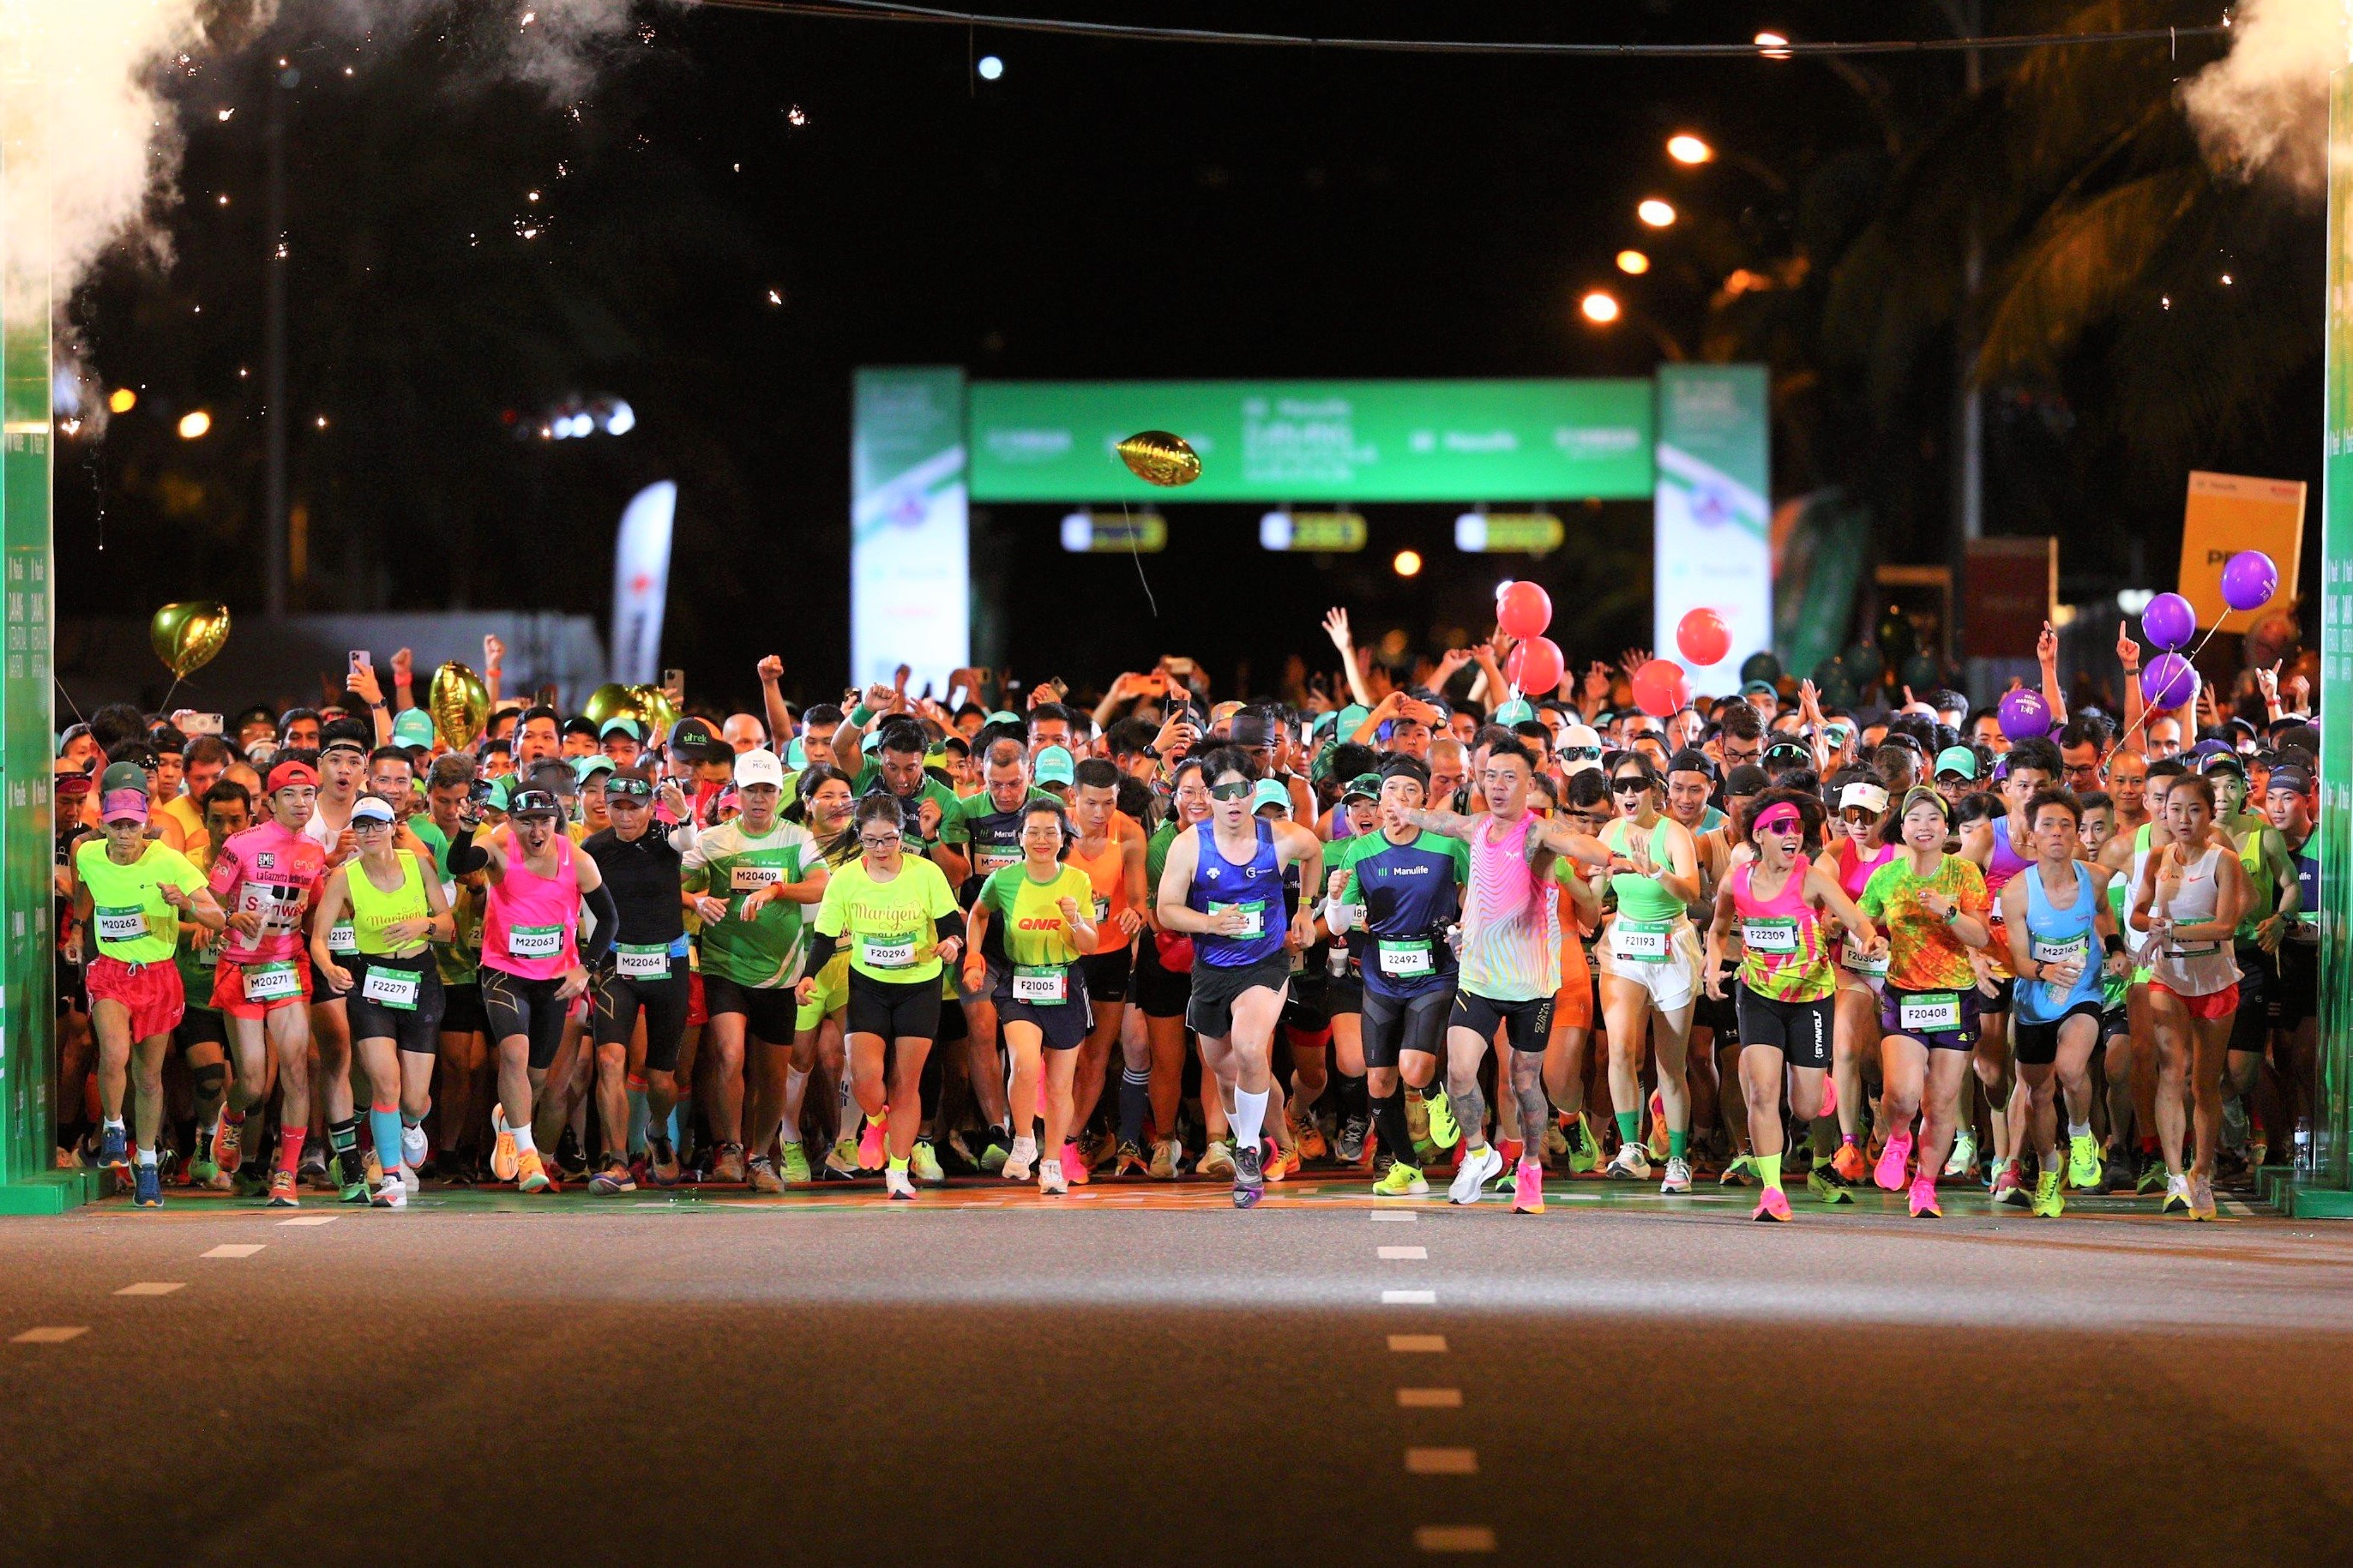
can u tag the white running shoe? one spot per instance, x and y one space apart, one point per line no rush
1049 1179
391 1194
1477 1166
1021 1161
1678 1177
413 1148
1217 1160
1629 1164
898 1183
1964 1157
1166 1159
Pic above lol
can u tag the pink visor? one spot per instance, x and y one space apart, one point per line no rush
123 803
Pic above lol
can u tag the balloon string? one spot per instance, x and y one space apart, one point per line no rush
2147 707
1137 555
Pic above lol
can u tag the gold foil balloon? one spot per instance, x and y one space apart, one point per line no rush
187 635
1159 458
654 706
613 700
460 703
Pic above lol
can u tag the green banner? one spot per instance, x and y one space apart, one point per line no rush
1318 440
2335 828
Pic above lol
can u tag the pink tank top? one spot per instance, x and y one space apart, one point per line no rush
1854 870
529 922
1781 939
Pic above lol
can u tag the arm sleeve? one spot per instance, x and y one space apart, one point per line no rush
950 924
822 946
599 900
468 856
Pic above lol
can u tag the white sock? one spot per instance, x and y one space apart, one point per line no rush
2079 1130
522 1138
146 1156
113 1124
1250 1116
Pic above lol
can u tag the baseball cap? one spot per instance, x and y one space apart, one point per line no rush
1354 714
1958 760
414 727
1270 792
1785 754
696 739
797 755
1870 796
1518 711
583 766
120 804
1054 765
1745 780
1002 716
533 802
123 775
2292 779
1364 786
581 724
758 766
1758 689
287 774
624 724
2222 762
369 809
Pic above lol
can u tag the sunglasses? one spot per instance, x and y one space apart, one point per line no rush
1581 753
1628 787
620 789
1239 790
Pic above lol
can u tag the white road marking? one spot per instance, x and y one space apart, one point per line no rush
1409 1298
1441 1461
235 1249
314 1219
153 1287
1404 1254
49 1336
1395 1216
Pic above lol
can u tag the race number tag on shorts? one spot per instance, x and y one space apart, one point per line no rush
1045 986
1641 946
641 961
392 988
1853 958
342 938
887 952
121 925
1774 938
1404 960
271 982
1254 918
752 878
2075 950
1932 1013
535 942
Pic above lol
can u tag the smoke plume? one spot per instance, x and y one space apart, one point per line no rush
2262 108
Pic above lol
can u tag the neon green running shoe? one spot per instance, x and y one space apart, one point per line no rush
925 1165
1740 1173
1402 1180
2083 1169
1587 1153
795 1166
1444 1130
1824 1182
2048 1203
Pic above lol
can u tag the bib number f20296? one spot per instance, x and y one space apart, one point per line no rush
1931 1012
888 952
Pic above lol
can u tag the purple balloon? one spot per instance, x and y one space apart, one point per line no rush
2168 622
2169 680
2249 580
2024 715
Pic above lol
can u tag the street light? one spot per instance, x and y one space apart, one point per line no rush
1408 562
194 425
1658 213
1600 307
1687 148
1633 263
1774 45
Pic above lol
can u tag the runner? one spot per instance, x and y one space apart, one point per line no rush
2031 767
826 806
2288 801
1040 916
1110 849
1650 968
2127 856
392 900
1786 978
2273 897
465 1044
1164 987
1221 882
203 1033
345 744
129 897
900 923
1933 909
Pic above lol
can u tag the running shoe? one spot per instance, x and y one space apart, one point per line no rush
1849 1164
1527 1186
898 1183
147 1186
2083 1163
1307 1139
356 1188
1924 1198
391 1194
1825 1183
218 1182
1444 1130
531 1173
1279 1162
994 1151
1249 1178
1655 1140
1351 1145
252 1182
1740 1172
228 1144
2048 1202
1129 1160
1402 1180
1074 1165
1678 1178
1584 1151
1629 1164
761 1176
612 1180
202 1166
2116 1176
2153 1174
1167 1160
728 1169
114 1151
1962 1162
841 1160
1890 1171
570 1162
1556 1140
925 1165
2176 1195
871 1155
795 1167
1772 1205
505 1154
1020 1161
664 1163
2202 1198
413 1146
2008 1189
282 1191
1217 1160
1050 1184
1473 1172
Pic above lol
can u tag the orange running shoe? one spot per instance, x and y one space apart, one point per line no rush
503 1163
1849 1162
282 1194
531 1175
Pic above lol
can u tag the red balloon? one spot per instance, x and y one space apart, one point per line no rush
1661 688
1523 610
1536 665
1703 638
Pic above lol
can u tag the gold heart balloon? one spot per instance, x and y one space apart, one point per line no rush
1157 458
460 703
613 700
187 635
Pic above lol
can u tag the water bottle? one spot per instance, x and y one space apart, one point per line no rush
2304 1161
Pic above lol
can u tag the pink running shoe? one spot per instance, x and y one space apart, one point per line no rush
1773 1206
1074 1167
871 1155
1924 1198
1527 1186
1891 1161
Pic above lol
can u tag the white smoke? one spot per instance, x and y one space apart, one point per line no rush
2262 108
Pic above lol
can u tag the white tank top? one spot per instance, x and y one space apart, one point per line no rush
2196 968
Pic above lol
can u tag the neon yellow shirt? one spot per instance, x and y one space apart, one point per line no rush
128 915
890 927
1027 916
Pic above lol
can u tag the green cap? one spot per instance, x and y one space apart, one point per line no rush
123 775
1054 765
1354 714
501 790
1002 716
1957 760
414 727
583 766
1270 792
1364 786
797 755
1516 711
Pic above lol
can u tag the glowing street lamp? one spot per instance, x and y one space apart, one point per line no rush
1687 148
1599 305
1408 563
1774 45
194 425
1633 263
1655 211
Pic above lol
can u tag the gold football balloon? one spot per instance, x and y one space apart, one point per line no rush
654 707
1157 458
460 703
187 635
613 700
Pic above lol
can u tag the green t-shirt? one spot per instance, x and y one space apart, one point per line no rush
729 863
1026 916
198 954
128 917
1923 953
459 961
870 782
994 836
888 928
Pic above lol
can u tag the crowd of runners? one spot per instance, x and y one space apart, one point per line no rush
1443 930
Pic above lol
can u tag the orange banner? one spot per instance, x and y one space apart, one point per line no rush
2229 512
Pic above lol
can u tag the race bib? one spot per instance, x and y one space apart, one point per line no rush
1931 1012
1102 909
342 938
1404 960
2075 950
1638 945
1046 985
1773 938
752 878
887 952
1253 919
996 857
392 987
121 925
641 961
535 942
1853 958
271 982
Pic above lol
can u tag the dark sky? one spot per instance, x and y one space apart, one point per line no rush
1104 210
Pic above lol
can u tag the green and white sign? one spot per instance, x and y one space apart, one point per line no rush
1711 532
1317 440
2335 828
910 574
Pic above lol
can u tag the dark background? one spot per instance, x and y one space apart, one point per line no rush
1124 209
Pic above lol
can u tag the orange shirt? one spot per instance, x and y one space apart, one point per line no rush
1108 872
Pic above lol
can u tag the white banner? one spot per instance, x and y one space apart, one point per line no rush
909 573
641 583
1711 527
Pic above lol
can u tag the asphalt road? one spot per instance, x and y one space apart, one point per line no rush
1138 1376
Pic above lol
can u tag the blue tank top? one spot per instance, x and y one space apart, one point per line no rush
1258 886
2054 935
